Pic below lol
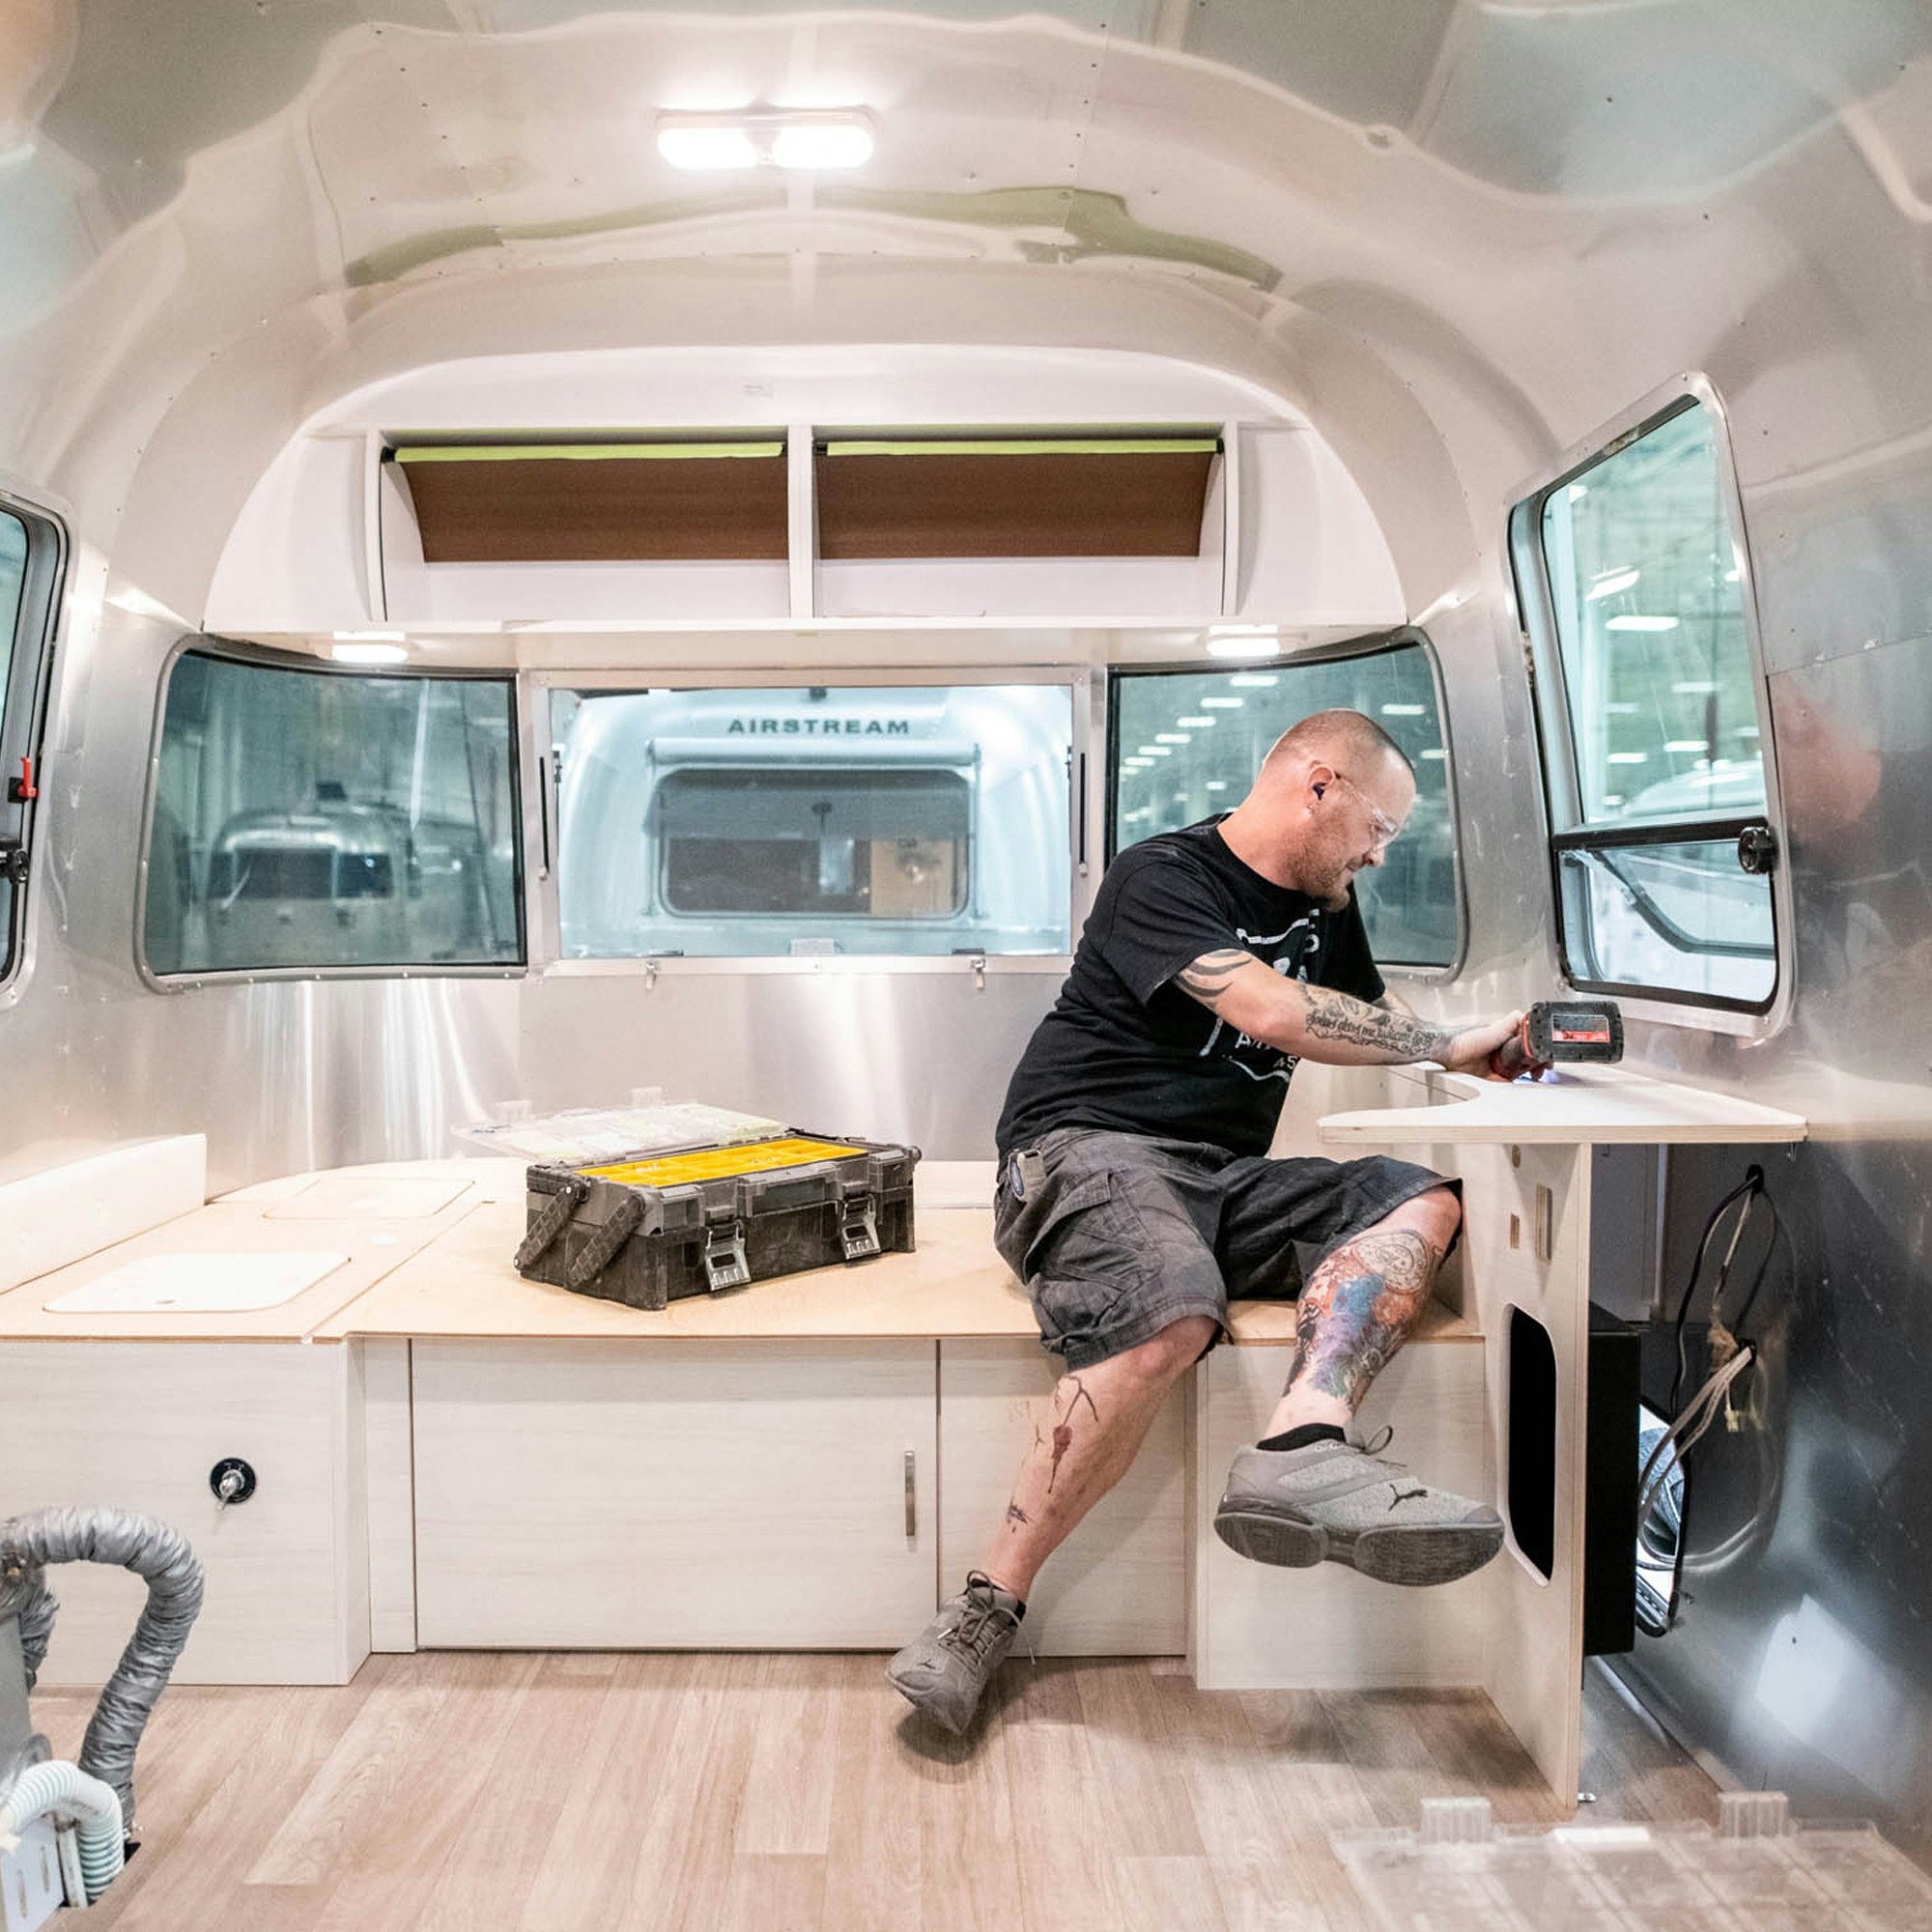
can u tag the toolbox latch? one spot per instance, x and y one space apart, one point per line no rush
725 1263
858 1228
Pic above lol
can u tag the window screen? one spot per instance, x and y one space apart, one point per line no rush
313 819
816 820
1652 715
1188 744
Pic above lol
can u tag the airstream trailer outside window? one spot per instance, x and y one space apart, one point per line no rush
1184 746
32 551
1630 570
910 820
303 820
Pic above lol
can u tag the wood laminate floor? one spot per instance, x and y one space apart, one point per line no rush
454 1791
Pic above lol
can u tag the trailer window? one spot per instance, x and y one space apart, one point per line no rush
903 820
879 844
31 552
308 821
1186 745
1650 704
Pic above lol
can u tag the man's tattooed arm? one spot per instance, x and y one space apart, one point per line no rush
1207 977
1333 1015
1316 1022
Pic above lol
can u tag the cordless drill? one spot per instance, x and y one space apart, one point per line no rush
1560 1030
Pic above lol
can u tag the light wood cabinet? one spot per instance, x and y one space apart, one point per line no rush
1328 1628
1118 1586
716 1495
139 1426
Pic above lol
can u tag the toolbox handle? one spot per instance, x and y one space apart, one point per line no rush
596 1254
550 1224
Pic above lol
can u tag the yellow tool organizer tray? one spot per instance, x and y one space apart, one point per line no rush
673 1170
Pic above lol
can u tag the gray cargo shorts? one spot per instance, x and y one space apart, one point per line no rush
1127 1235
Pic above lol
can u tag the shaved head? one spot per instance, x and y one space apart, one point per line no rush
1345 739
1330 797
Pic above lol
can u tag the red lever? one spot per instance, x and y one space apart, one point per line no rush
23 787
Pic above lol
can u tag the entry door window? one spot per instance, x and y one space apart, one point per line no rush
1633 571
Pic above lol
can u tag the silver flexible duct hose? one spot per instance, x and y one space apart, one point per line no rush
152 1550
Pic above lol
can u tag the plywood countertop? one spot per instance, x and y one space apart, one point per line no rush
1583 1106
370 1246
447 1274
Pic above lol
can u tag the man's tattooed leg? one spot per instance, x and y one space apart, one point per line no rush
1082 1444
1074 1392
1357 1311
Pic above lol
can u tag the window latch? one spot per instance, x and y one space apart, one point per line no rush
1757 850
22 789
13 862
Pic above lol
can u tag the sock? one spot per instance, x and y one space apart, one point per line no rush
1309 1434
1019 1602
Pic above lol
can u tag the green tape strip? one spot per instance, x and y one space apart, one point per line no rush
1085 446
579 452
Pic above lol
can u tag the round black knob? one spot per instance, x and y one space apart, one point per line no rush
1758 849
232 1480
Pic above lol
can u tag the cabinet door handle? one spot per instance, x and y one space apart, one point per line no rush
911 1498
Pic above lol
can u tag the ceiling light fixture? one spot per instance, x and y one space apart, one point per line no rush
808 140
369 652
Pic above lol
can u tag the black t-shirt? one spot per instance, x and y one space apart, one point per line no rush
1125 1050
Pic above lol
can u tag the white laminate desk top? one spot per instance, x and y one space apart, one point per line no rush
1583 1106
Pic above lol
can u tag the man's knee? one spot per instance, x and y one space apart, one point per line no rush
1436 1215
1170 1353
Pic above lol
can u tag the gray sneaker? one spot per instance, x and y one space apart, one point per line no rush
1295 1506
945 1669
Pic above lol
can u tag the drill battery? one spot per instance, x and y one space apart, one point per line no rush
1558 1031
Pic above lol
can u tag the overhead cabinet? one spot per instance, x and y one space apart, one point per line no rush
597 502
1118 525
662 529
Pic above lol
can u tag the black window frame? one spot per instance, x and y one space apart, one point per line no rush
1566 831
1383 643
24 707
227 650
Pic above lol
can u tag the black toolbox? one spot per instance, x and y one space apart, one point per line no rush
651 1228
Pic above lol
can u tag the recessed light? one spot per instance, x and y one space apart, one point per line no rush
1255 680
806 139
1243 647
829 141
1195 724
369 652
1405 711
1170 738
1640 624
1610 583
1222 704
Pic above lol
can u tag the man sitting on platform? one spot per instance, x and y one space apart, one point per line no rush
1135 1195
